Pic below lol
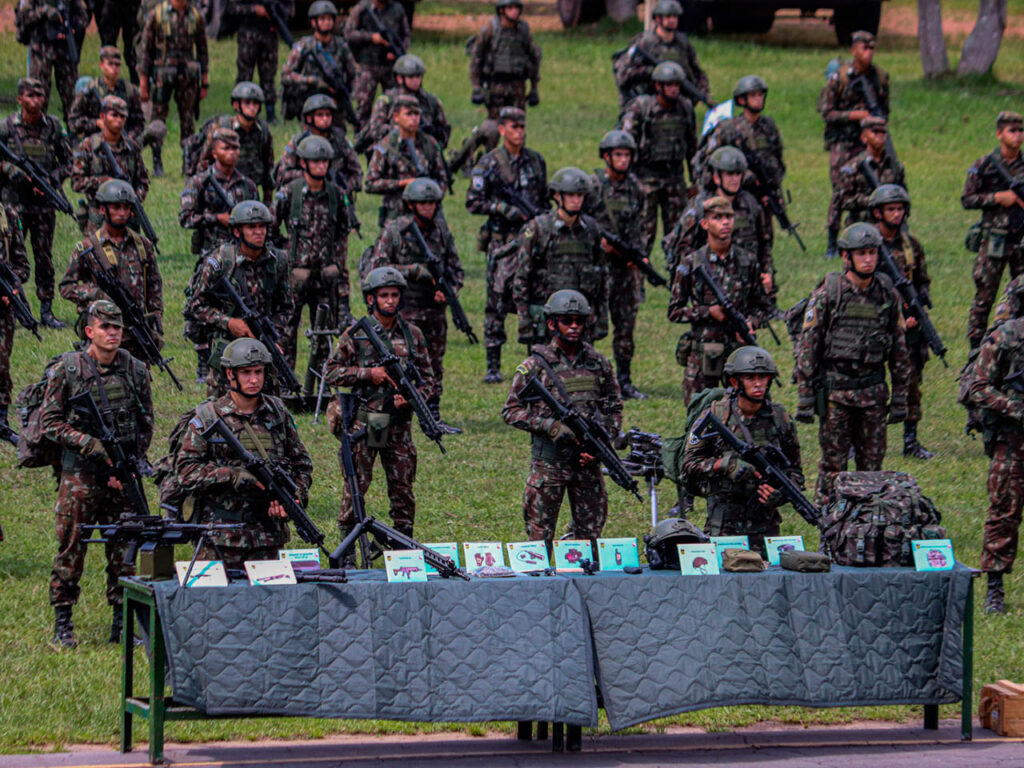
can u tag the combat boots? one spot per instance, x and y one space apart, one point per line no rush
64 629
47 317
493 366
271 115
158 162
435 410
911 447
832 250
629 392
995 599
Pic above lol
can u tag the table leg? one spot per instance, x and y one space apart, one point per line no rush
524 730
542 730
157 705
967 695
574 738
127 674
558 737
931 717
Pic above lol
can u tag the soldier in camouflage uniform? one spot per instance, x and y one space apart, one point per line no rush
1002 220
853 188
890 208
92 166
120 17
257 46
704 348
317 243
405 154
318 113
85 110
12 253
526 172
224 491
853 328
34 134
258 271
504 57
408 71
581 377
399 247
739 505
384 413
302 75
561 249
88 493
374 56
615 200
116 247
41 27
664 128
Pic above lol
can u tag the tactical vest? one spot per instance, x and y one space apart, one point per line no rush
273 273
368 358
98 165
858 332
297 220
121 392
509 52
418 293
581 384
570 264
619 209
110 253
665 145
162 13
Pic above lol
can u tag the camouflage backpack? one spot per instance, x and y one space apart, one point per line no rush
673 447
172 497
873 518
34 448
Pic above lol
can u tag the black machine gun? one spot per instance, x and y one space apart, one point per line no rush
915 303
219 191
633 256
766 189
140 213
737 320
38 179
767 460
867 90
275 12
147 532
688 89
1016 213
382 29
405 378
12 290
590 434
445 284
335 80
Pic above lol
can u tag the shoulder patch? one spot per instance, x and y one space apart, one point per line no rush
478 182
522 370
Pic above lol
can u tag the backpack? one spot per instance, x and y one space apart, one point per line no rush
172 496
34 448
873 518
673 447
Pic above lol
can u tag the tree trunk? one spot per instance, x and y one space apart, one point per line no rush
934 60
982 46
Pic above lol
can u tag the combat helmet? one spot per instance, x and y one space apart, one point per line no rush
889 193
382 277
661 542
499 4
250 212
749 84
318 101
322 8
410 65
249 91
668 72
616 140
858 236
422 190
728 160
750 360
315 148
667 8
115 191
243 352
567 302
570 181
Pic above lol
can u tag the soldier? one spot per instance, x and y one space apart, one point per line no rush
405 154
1002 220
561 249
116 247
318 114
567 364
224 490
399 247
615 200
114 17
525 171
303 76
88 492
890 207
648 49
317 242
375 56
12 253
504 57
257 45
664 128
257 270
36 135
711 339
43 26
92 162
384 413
737 503
408 71
852 329
85 111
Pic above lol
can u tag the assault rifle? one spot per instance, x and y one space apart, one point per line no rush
140 213
144 532
443 279
1016 213
389 35
335 80
633 256
12 290
688 89
916 304
765 189
335 176
860 83
767 460
591 435
219 191
275 12
736 319
38 179
135 321
263 330
62 30
506 193
405 378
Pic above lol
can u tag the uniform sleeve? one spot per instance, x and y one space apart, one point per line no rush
76 286
377 181
698 465
202 52
476 60
342 368
283 302
300 465
147 47
809 344
452 261
83 114
421 360
352 169
534 56
197 471
82 179
530 417
479 199
899 357
354 35
287 168
700 76
154 283
921 278
141 181
200 306
53 413
988 389
290 75
790 447
17 257
192 214
976 194
828 102
609 398
136 122
146 416
679 309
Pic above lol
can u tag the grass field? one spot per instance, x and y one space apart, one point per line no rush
939 128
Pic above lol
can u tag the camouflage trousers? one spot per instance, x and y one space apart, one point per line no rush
434 324
39 224
47 57
987 273
667 193
510 94
399 462
733 517
918 357
863 429
840 154
257 50
368 77
545 487
186 96
83 499
236 557
1006 498
115 17
623 306
310 293
7 322
500 273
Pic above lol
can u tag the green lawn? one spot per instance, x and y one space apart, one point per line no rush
474 492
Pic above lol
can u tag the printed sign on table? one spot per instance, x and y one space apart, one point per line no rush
272 573
526 556
405 565
445 548
301 559
616 554
569 553
933 555
698 559
776 545
482 554
729 542
205 573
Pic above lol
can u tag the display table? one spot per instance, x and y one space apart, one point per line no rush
531 648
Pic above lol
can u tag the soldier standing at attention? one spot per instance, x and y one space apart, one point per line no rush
375 56
1002 220
853 188
42 25
85 110
12 253
318 115
504 57
853 329
582 378
88 492
120 17
257 46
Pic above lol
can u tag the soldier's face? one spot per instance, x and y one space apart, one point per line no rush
113 122
413 82
32 103
512 12
875 137
324 24
407 119
863 261
621 160
250 108
570 327
323 119
893 214
669 90
1009 135
316 168
250 379
255 235
729 181
514 134
863 53
668 23
110 68
425 210
569 202
755 385
225 154
754 101
118 214
387 300
719 225
105 336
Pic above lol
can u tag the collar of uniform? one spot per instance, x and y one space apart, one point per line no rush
106 238
226 406
217 174
241 259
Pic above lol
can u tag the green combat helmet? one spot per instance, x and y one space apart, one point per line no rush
318 101
750 360
858 236
247 91
410 65
115 191
315 148
667 8
616 140
889 193
242 353
749 84
668 72
382 277
567 302
250 212
506 3
661 543
570 181
728 160
422 190
322 8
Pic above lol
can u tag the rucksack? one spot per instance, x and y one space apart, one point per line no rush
34 448
873 518
172 495
673 448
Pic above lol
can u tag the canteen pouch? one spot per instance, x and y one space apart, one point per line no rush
996 243
378 426
683 348
712 359
805 562
975 235
737 560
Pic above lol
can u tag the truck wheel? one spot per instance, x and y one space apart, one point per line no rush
576 12
851 18
695 18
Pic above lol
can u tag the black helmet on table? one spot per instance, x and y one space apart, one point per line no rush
661 542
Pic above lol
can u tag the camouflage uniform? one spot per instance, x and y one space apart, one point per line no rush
391 162
528 174
317 247
391 433
91 168
205 470
302 77
257 45
12 252
909 256
761 137
120 17
1001 241
636 76
85 110
374 67
397 247
345 162
200 206
47 144
835 103
848 338
83 496
704 348
39 19
433 121
1012 302
734 509
852 190
255 151
591 383
665 139
503 59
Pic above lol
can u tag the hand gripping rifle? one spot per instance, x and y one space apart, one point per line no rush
140 213
736 319
1016 213
765 189
64 31
633 256
335 80
382 29
444 283
38 179
508 194
12 290
767 460
914 302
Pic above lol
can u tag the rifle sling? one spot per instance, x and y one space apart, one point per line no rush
562 391
255 441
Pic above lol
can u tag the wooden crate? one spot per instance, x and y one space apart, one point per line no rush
1002 708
